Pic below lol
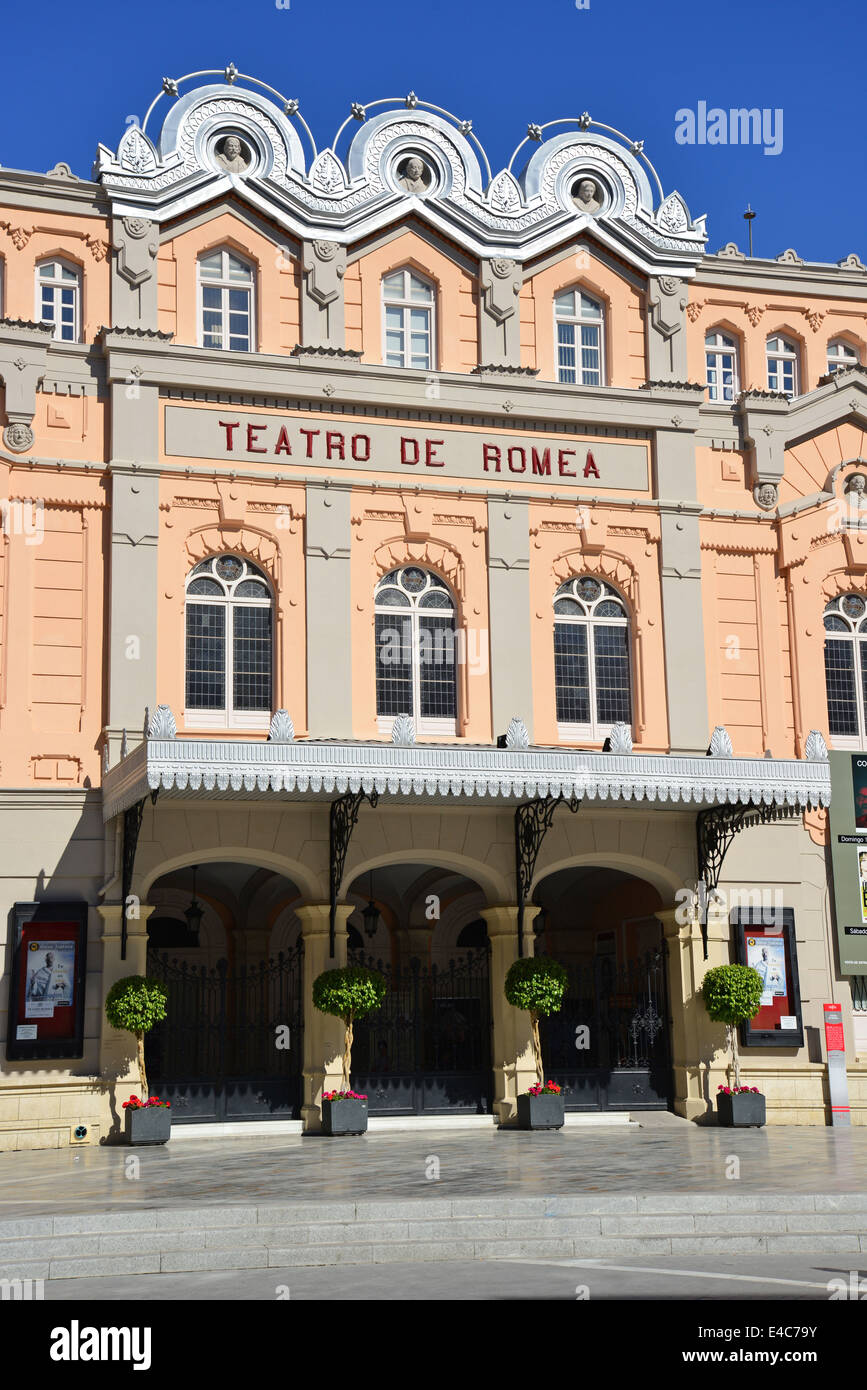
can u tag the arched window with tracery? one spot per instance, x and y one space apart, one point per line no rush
845 621
591 659
414 616
229 645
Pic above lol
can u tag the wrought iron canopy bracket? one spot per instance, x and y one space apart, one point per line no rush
344 814
132 818
715 829
532 823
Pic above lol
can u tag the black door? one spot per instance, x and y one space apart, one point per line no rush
609 1045
428 1049
231 1045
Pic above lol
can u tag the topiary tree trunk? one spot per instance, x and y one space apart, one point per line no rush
537 1047
139 1041
347 1050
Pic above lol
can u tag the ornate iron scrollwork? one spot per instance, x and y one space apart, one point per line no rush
132 818
344 814
532 823
716 827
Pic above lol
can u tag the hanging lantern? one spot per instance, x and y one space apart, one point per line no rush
195 912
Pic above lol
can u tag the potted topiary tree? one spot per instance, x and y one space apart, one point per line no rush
536 984
133 1005
351 992
732 994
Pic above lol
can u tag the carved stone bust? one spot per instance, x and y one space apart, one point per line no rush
18 437
587 195
856 486
765 495
232 155
413 175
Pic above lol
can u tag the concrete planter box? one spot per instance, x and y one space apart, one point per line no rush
344 1117
741 1111
541 1112
151 1124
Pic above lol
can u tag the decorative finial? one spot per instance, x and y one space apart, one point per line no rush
411 101
230 73
170 86
403 731
584 120
281 729
534 132
358 111
464 127
815 748
720 743
517 735
291 106
636 147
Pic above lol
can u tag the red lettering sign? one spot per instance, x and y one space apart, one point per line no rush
357 441
542 466
590 469
561 460
491 454
282 446
516 449
309 434
405 444
253 431
431 461
229 426
337 437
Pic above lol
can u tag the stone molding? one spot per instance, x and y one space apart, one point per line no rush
215 769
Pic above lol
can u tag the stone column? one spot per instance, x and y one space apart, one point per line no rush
118 1061
329 629
509 598
698 1046
512 1035
323 1034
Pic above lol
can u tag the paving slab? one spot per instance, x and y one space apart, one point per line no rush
195 1183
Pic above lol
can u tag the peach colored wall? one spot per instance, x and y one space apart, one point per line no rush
448 535
276 279
754 316
37 236
624 318
626 556
52 623
456 330
265 522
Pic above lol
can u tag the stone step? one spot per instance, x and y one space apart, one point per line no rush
579 1227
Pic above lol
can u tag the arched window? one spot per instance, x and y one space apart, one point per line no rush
721 359
408 320
229 645
846 670
579 322
591 659
226 302
414 615
58 298
841 355
783 365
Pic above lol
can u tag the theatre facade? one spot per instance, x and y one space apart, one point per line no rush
412 563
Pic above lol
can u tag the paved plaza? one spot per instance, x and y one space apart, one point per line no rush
441 1164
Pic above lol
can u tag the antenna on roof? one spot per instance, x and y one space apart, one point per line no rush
748 218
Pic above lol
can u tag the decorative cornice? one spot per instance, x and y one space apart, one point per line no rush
154 335
347 354
218 769
499 369
672 386
45 330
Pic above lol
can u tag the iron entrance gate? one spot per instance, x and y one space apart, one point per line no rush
622 1061
428 1049
216 1055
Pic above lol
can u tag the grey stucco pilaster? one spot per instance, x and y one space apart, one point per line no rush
680 574
666 329
329 637
509 600
132 658
322 295
134 243
499 317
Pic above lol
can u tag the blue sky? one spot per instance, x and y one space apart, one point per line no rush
632 65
